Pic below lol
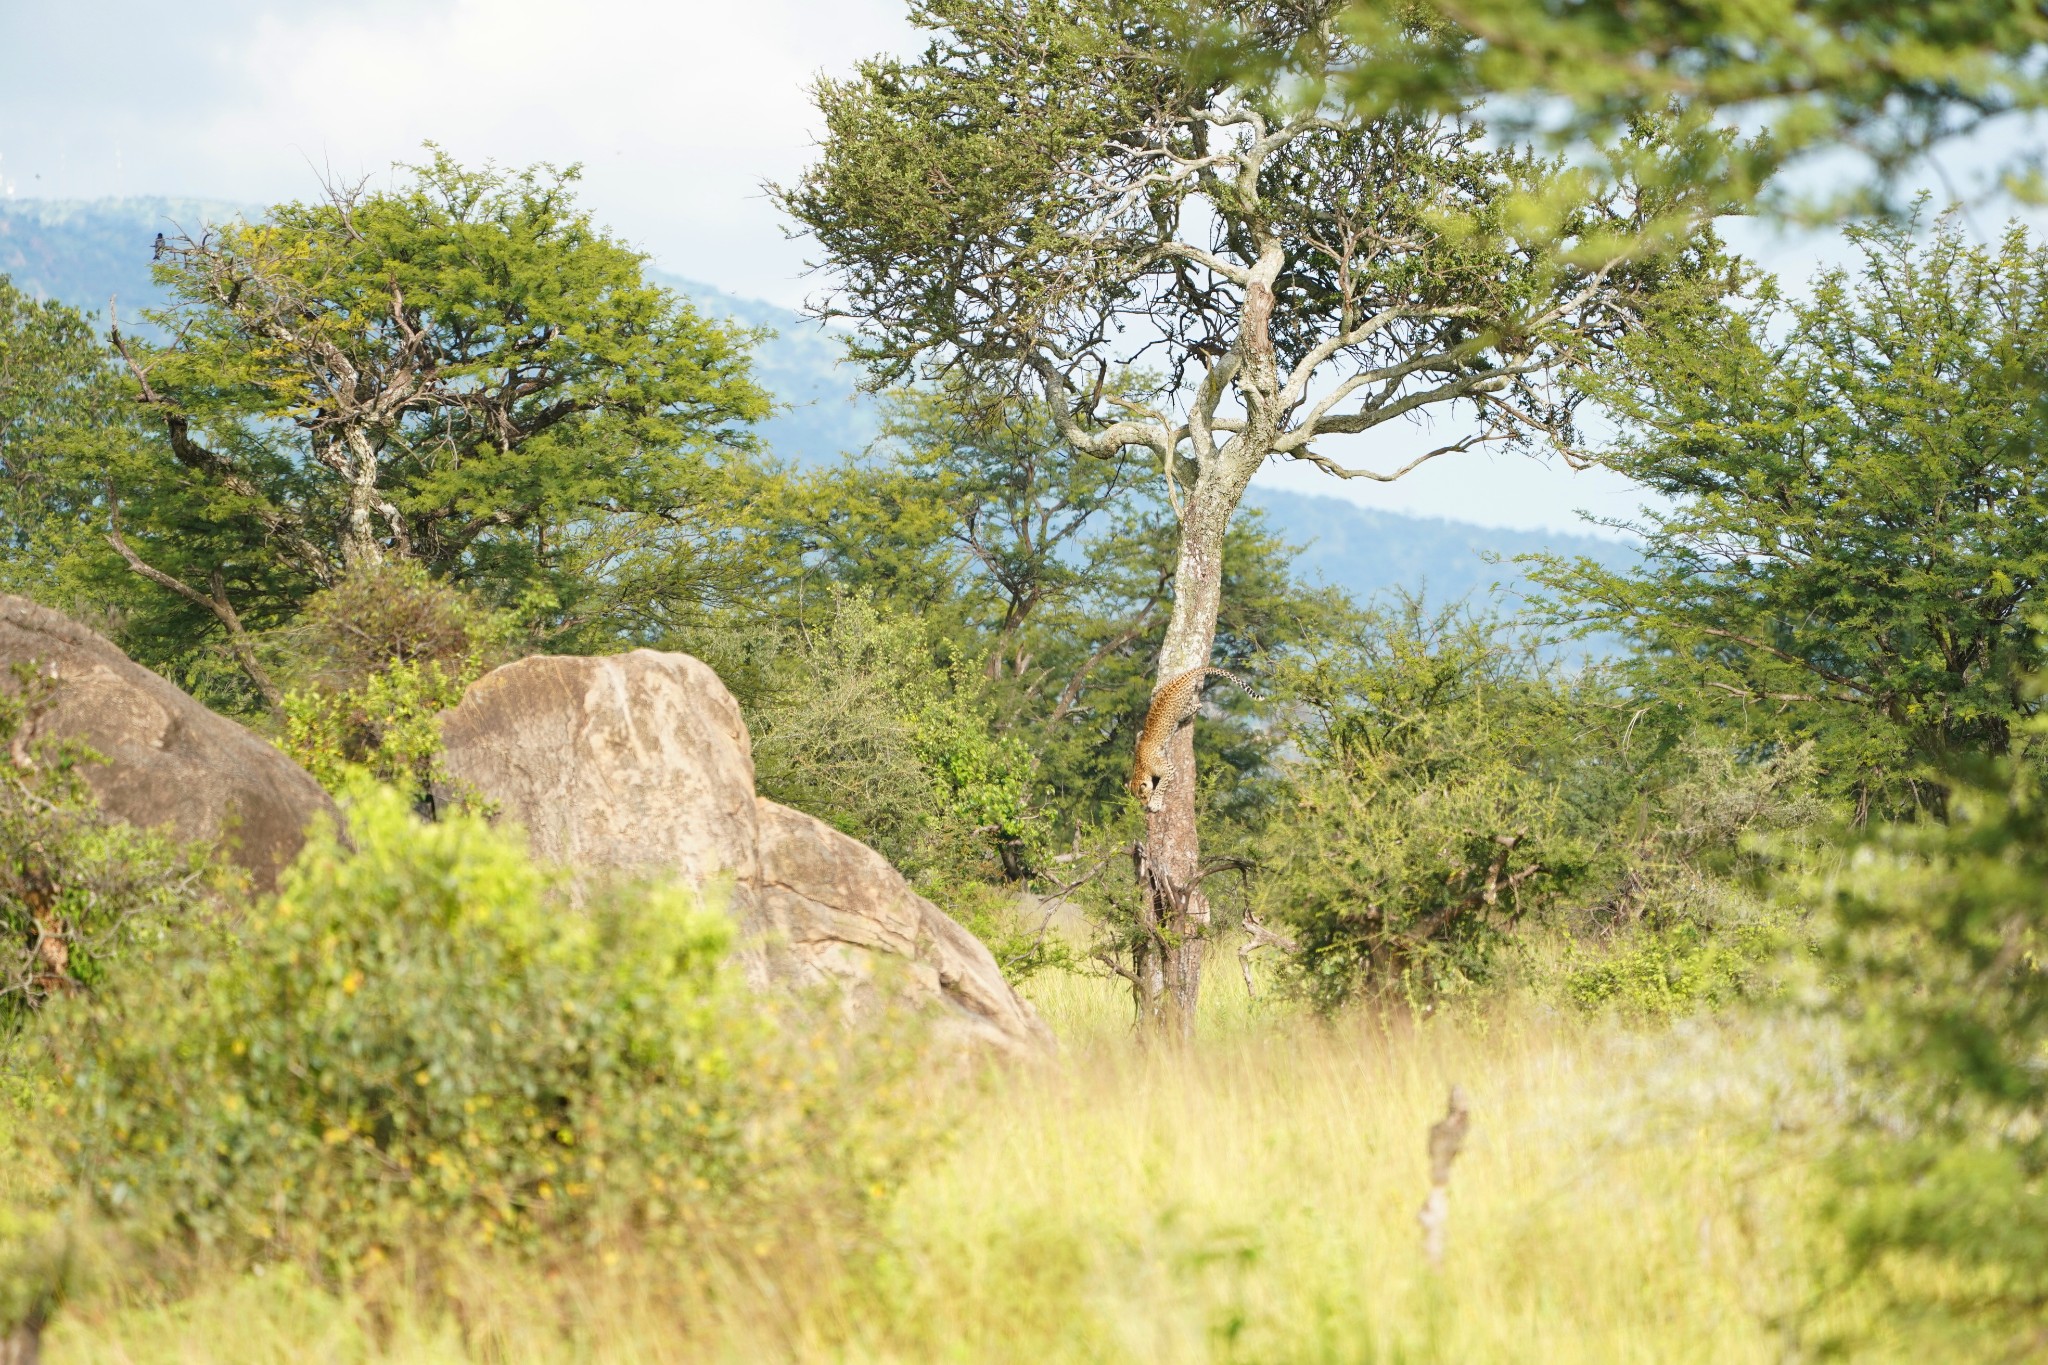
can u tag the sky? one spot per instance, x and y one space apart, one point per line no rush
678 110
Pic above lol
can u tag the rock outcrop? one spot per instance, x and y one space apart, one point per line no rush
637 763
834 910
634 764
170 761
640 763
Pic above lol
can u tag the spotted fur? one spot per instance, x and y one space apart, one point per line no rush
1174 703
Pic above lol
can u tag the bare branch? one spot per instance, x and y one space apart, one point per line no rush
1109 440
1329 466
215 602
1258 937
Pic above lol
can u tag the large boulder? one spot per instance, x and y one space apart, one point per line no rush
636 763
170 762
640 763
831 909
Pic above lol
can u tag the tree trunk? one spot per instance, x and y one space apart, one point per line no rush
1174 910
359 546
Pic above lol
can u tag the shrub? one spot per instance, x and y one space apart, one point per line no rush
1695 919
374 662
1447 783
387 727
1019 934
831 737
78 889
419 1040
1722 825
869 730
1678 970
1450 781
981 785
1408 887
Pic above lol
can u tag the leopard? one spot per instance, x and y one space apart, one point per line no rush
1174 703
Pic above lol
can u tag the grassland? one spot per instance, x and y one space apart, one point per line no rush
1626 1195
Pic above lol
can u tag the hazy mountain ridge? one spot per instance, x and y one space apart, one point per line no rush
88 253
824 414
84 253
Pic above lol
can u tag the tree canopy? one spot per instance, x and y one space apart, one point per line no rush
1885 82
1853 536
55 391
461 372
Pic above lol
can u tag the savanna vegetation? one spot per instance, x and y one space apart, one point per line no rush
1730 939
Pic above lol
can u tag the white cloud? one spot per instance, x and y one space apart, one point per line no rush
677 111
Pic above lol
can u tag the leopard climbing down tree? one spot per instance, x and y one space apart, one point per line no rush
1173 705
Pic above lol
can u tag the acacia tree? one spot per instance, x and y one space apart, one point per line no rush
1052 190
1850 540
461 372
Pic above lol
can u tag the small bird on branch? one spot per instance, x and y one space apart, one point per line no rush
158 254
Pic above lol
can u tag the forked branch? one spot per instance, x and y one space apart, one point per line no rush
215 601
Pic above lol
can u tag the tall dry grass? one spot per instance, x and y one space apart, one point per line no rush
1624 1196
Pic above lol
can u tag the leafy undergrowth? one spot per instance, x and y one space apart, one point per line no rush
1624 1196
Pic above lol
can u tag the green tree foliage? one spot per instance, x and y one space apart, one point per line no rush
59 409
1034 533
418 1046
1852 543
1938 968
79 891
1889 79
460 372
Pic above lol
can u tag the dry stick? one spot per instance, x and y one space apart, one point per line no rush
1446 1138
1258 936
24 1345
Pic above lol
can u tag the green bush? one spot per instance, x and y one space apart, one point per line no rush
1695 920
421 1040
1019 937
1450 782
869 729
980 785
1447 784
1678 970
373 663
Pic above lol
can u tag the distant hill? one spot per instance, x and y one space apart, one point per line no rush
825 415
85 252
1367 552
